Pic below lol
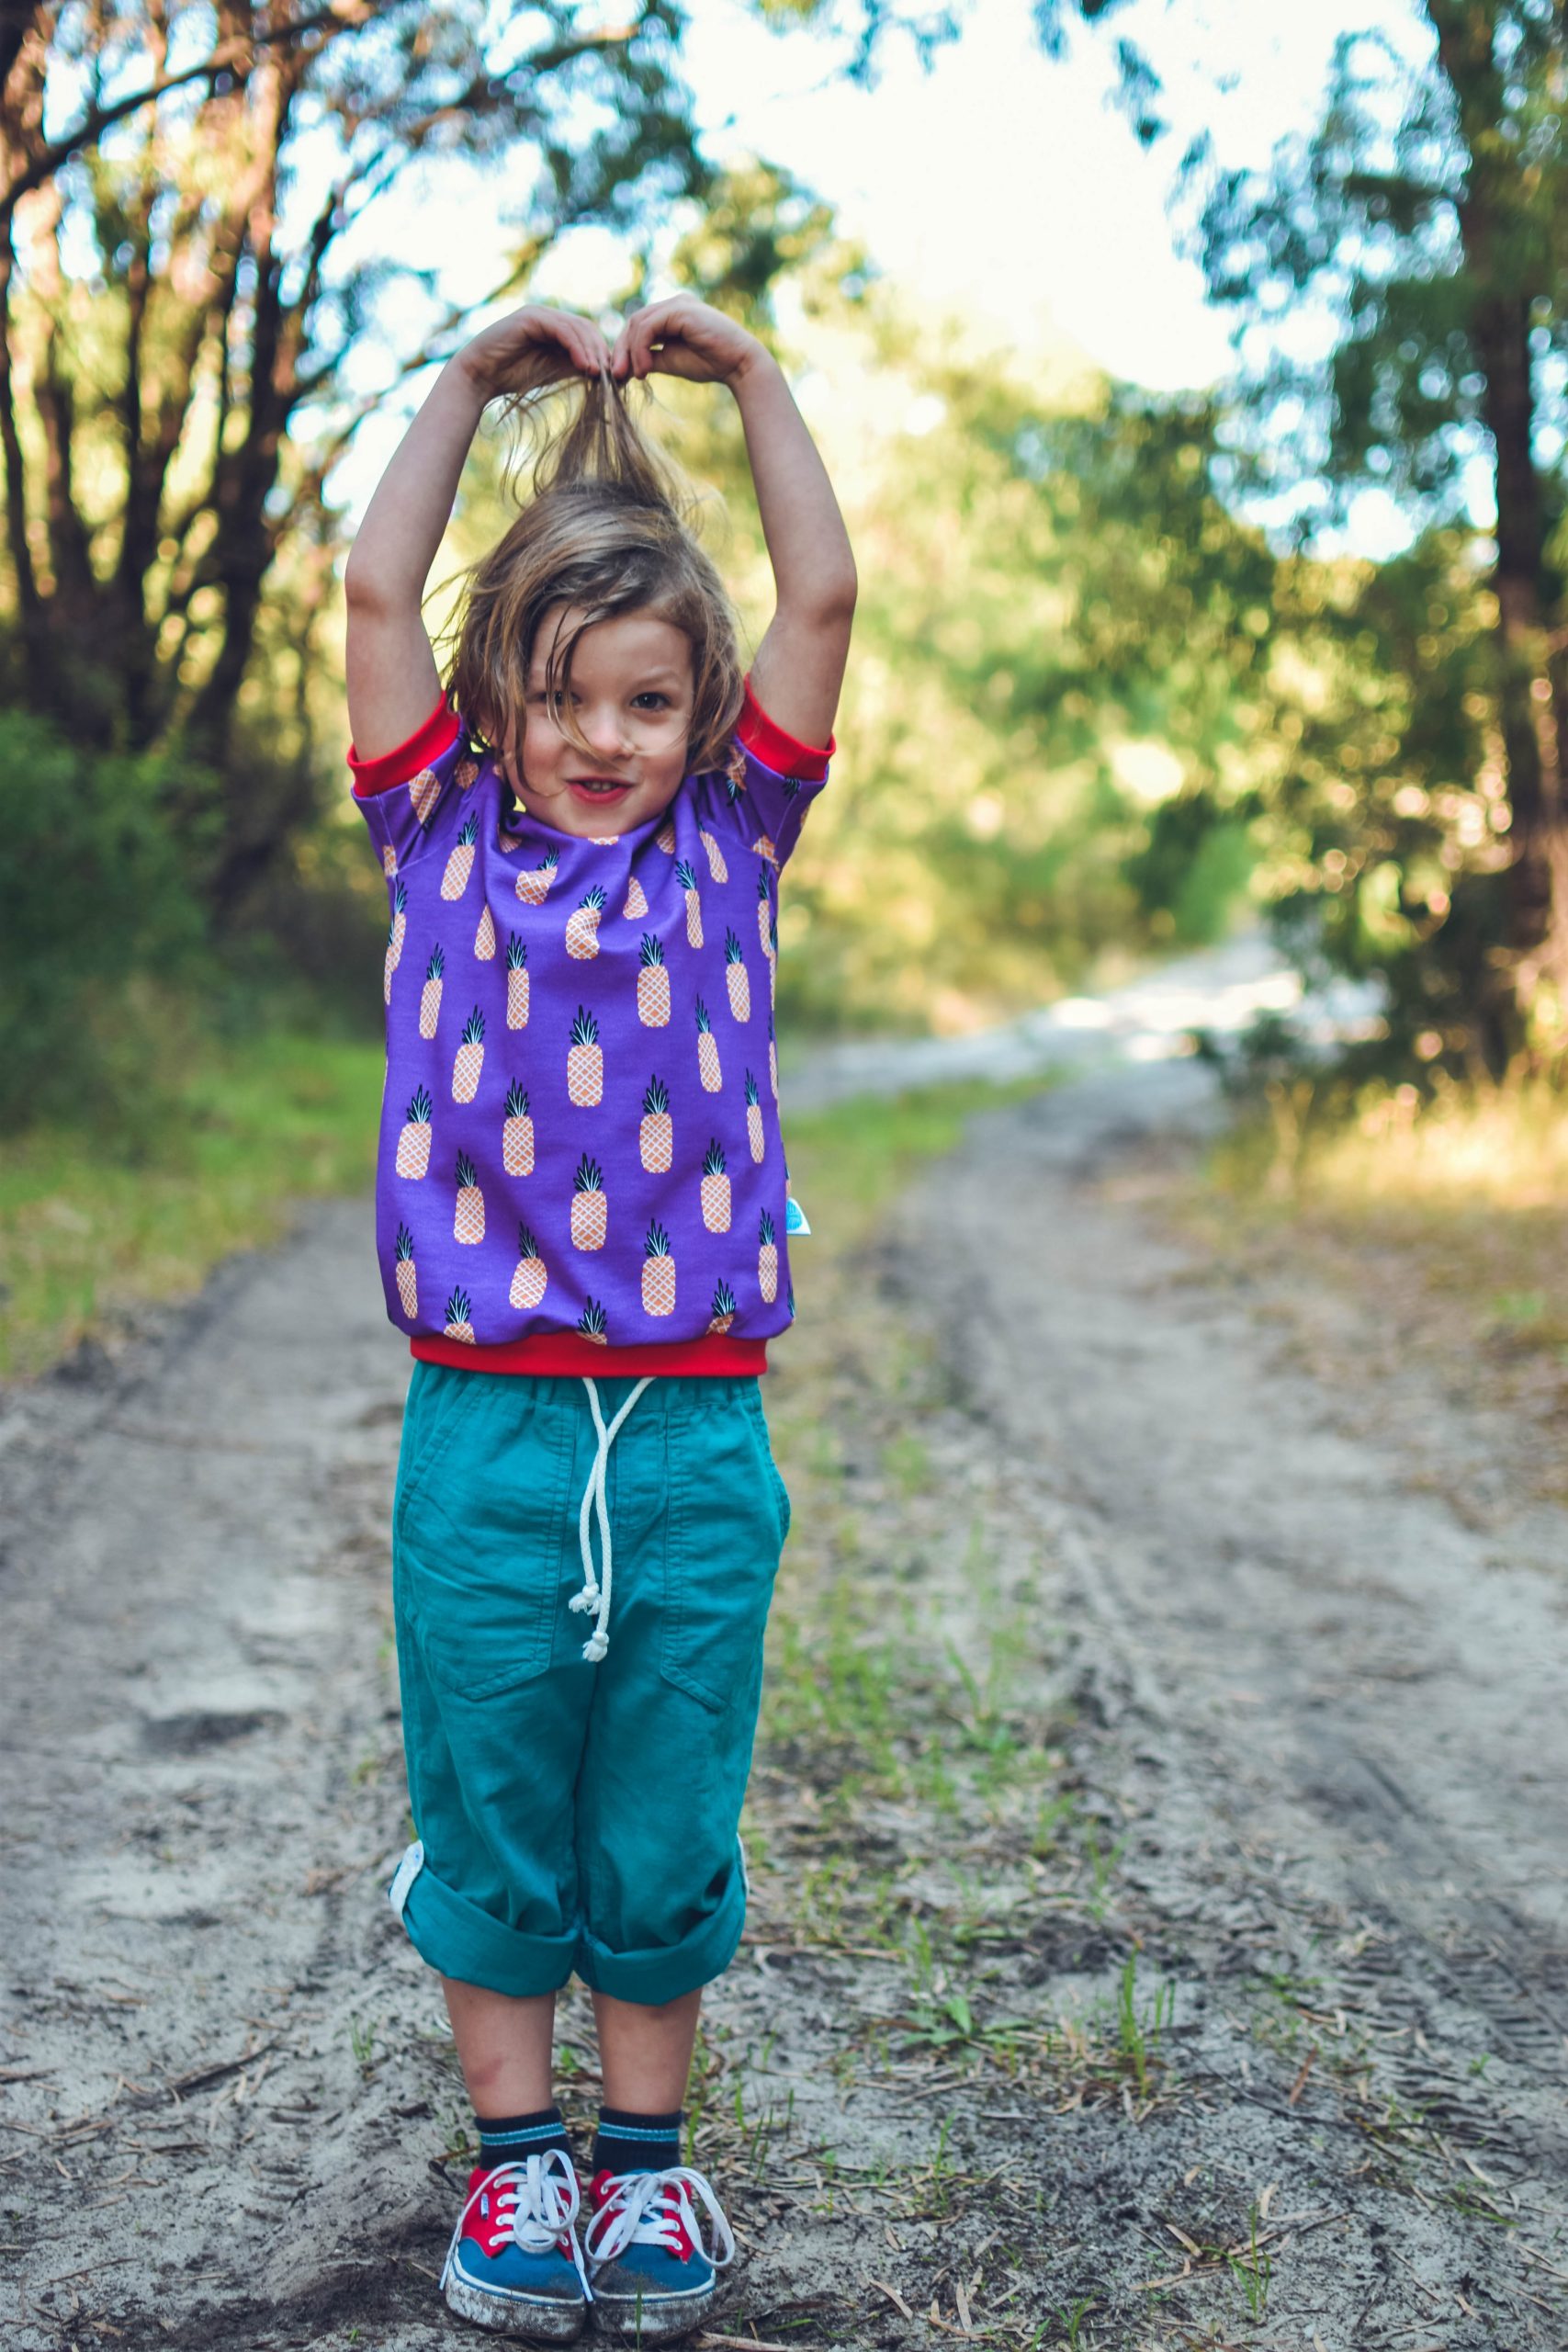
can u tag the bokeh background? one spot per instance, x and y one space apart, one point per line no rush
1194 381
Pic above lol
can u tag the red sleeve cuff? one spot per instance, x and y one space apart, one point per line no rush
757 734
428 742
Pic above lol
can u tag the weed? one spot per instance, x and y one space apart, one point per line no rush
1253 2271
1138 2037
1069 2318
362 2042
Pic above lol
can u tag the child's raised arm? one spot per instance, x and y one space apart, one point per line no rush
393 683
799 665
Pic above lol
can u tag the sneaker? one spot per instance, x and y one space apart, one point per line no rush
513 2264
653 2280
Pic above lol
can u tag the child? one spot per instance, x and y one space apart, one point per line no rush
581 1209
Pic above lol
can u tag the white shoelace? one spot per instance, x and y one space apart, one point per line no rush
595 1593
536 2202
647 2208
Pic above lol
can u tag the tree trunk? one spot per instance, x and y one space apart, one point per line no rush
1537 920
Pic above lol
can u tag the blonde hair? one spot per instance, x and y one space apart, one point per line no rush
607 531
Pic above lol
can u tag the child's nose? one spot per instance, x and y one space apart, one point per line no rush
606 733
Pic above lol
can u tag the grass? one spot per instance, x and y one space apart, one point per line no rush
93 1225
1446 1223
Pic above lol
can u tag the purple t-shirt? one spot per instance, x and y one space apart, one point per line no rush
579 1149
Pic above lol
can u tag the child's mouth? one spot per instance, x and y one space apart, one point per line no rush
598 788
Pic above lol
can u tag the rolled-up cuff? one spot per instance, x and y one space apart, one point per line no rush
454 1936
665 1972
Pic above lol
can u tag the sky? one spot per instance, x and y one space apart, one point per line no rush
999 183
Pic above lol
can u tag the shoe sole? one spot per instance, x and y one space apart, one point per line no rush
535 2323
648 2324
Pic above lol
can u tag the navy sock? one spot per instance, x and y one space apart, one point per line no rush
629 2142
507 2139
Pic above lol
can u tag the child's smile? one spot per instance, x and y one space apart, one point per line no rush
631 698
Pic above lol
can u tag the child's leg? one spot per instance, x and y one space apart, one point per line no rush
644 2050
504 2047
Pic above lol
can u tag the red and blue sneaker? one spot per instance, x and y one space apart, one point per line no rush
653 2279
513 2264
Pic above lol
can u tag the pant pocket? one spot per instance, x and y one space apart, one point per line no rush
477 1547
727 1518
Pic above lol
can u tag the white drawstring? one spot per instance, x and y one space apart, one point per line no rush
594 1595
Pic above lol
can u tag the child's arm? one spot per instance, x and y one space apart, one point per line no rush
393 683
799 664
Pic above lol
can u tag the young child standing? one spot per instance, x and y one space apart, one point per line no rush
582 1213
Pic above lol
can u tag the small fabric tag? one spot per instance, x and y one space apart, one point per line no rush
408 1869
795 1217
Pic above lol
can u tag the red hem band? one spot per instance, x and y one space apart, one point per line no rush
427 744
758 734
566 1355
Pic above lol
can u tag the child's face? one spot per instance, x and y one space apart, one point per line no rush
631 695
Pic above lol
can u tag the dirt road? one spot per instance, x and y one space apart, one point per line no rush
1159 1926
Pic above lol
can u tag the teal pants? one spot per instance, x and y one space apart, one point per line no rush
573 1817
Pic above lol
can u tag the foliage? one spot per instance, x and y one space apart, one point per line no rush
190 268
103 919
1426 219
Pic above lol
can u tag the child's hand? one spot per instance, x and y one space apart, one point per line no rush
533 347
681 337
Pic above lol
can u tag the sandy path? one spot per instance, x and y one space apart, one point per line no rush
1338 1713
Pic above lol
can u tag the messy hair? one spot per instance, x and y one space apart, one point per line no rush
607 531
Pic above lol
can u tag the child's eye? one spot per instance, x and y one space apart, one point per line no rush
660 701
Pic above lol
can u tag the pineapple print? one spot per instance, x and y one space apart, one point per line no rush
658 1274
767 1258
517 1136
764 847
637 900
594 1324
716 1188
395 941
585 1062
530 1279
764 907
664 839
686 876
408 1276
707 1052
589 1209
459 1309
425 792
656 1135
772 963
484 938
652 985
773 1058
460 865
582 925
507 840
716 865
754 1118
723 1314
413 1144
466 775
468 1210
388 860
734 771
516 981
471 1058
736 978
430 994
534 888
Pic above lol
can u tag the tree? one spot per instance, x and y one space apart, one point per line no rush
188 257
1427 215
